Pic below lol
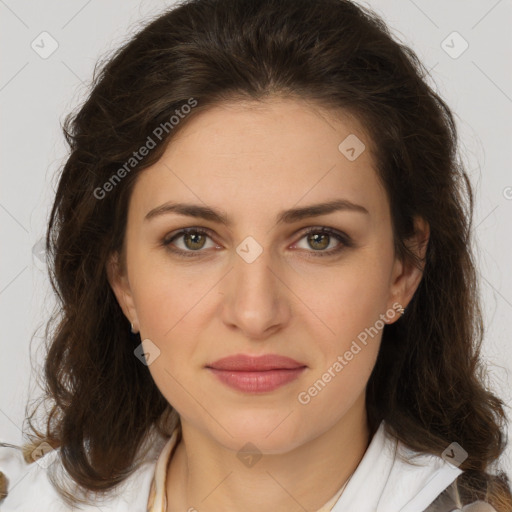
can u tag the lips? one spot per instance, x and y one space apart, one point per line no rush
245 363
261 374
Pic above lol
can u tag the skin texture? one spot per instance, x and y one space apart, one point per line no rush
251 161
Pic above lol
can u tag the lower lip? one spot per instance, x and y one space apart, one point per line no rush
257 382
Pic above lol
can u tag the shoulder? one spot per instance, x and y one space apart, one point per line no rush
433 480
419 481
449 501
27 486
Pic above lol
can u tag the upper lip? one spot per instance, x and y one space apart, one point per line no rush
242 362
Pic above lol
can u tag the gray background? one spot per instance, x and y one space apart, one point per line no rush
36 93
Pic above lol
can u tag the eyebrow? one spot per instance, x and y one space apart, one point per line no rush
286 216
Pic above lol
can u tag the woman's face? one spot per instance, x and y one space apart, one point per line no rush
259 283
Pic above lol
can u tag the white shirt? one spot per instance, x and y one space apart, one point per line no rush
382 482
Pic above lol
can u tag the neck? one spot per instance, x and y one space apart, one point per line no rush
205 475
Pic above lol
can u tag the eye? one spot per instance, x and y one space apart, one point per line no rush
194 240
320 239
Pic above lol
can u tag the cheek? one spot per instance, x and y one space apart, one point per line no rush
168 318
349 309
332 392
346 299
162 292
346 329
171 310
351 331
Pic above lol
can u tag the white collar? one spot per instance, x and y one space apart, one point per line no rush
384 482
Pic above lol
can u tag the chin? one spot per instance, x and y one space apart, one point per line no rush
271 433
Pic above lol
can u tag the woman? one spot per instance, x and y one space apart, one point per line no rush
261 244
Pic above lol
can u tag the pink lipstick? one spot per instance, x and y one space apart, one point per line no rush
259 374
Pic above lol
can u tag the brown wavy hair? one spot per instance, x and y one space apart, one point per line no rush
428 383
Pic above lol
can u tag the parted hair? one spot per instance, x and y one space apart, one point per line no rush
429 382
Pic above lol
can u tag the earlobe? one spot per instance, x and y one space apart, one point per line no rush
118 281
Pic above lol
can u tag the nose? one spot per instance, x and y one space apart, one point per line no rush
255 297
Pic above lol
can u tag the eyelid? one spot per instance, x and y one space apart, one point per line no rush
169 238
344 240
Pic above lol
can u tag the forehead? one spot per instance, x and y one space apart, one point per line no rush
264 156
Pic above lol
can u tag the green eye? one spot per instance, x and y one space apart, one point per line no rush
194 240
319 239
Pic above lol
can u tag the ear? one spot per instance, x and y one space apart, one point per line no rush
406 276
118 280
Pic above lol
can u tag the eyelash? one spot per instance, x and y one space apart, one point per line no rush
345 241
